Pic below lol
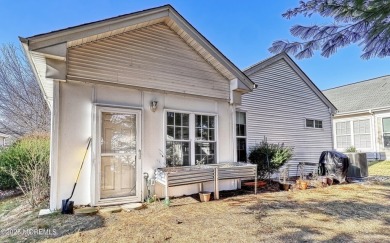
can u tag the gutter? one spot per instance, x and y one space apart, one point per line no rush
365 111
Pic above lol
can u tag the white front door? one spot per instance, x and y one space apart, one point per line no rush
118 146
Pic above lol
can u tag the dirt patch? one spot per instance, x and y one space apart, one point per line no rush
19 223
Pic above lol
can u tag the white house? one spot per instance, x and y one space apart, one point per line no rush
3 138
363 118
287 107
148 88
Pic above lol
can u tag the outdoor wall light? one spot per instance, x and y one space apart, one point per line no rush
153 105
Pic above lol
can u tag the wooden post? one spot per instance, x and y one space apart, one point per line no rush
166 187
255 179
216 184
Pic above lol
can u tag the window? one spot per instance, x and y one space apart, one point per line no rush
241 136
343 134
190 139
361 132
386 132
204 139
313 123
178 139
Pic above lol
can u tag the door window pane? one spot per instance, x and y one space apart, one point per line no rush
118 133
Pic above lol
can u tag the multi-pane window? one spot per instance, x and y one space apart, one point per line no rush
361 132
343 134
178 139
241 136
190 139
313 123
204 139
386 132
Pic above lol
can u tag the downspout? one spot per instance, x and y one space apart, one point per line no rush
331 129
375 133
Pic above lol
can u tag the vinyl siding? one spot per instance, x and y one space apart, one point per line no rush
277 109
153 57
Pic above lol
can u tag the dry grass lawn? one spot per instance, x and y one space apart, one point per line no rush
340 213
380 168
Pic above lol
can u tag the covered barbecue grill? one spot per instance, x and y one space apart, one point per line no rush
333 164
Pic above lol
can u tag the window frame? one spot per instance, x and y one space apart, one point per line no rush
314 123
353 142
237 136
383 133
350 134
191 133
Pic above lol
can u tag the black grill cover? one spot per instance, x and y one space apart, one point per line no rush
334 164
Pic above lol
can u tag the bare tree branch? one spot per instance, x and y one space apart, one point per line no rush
23 109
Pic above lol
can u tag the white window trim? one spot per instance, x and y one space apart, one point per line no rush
350 133
192 133
95 183
383 133
351 120
314 123
353 132
235 134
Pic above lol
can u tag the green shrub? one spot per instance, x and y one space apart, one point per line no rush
269 157
27 163
6 180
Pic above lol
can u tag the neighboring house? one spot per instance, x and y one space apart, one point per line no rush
3 138
287 107
363 118
148 88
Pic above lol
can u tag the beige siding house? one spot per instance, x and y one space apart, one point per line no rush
148 89
151 91
363 118
287 108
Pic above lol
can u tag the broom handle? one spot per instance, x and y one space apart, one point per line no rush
78 175
86 151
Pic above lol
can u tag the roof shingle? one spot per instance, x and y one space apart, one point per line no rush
363 95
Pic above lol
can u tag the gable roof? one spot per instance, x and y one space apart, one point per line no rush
55 43
283 56
364 95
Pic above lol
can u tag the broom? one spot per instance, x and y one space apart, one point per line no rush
67 205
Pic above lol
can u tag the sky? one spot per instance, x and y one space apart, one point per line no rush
242 30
